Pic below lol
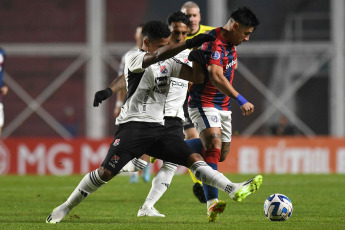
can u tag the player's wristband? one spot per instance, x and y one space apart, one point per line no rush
240 100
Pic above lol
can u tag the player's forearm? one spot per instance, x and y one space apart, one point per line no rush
195 74
223 85
163 53
118 84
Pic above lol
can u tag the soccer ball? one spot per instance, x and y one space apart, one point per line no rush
278 207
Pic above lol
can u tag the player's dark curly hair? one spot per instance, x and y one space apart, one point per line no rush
178 17
156 30
245 16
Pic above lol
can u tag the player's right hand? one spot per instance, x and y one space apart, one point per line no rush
199 40
101 96
247 109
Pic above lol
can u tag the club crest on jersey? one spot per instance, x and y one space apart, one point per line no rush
215 55
115 159
116 142
214 118
164 70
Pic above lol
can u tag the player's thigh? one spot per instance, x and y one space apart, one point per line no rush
225 119
204 118
131 140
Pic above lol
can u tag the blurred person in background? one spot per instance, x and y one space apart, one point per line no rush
192 10
3 88
138 164
284 128
209 102
70 121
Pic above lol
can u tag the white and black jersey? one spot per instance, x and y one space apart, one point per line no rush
178 91
147 89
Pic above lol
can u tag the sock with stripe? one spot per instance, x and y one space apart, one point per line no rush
160 183
90 183
212 177
134 165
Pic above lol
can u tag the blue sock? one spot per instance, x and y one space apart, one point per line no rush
211 192
195 144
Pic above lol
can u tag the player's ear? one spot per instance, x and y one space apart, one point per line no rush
235 26
146 42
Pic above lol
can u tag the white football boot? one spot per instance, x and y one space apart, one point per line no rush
58 214
149 211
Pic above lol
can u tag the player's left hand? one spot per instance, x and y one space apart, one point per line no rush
101 96
247 109
199 56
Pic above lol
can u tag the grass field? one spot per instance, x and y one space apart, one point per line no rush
25 202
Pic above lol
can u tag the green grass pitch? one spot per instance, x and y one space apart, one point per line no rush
26 201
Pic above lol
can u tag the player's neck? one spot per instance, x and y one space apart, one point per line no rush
225 34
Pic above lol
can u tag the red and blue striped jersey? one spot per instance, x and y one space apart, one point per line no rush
223 54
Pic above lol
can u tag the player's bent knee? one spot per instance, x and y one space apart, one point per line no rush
193 158
105 174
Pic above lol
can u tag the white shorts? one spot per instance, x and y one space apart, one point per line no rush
208 117
1 115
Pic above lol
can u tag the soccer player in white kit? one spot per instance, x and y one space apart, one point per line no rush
141 121
178 23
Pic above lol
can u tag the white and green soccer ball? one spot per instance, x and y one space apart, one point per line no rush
278 207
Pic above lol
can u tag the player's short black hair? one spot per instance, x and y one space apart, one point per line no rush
178 16
156 30
245 16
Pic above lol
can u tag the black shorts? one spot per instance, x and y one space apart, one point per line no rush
133 139
187 124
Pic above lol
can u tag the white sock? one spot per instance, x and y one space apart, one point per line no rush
209 176
134 165
160 183
90 183
210 202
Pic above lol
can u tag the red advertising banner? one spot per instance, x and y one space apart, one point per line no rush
247 155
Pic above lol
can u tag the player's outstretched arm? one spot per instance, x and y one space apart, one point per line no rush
169 51
224 86
117 85
199 71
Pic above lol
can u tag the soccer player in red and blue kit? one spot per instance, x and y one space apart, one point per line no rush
209 103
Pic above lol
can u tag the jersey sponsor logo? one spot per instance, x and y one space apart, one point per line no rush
178 83
116 142
232 63
115 159
215 55
164 70
162 84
